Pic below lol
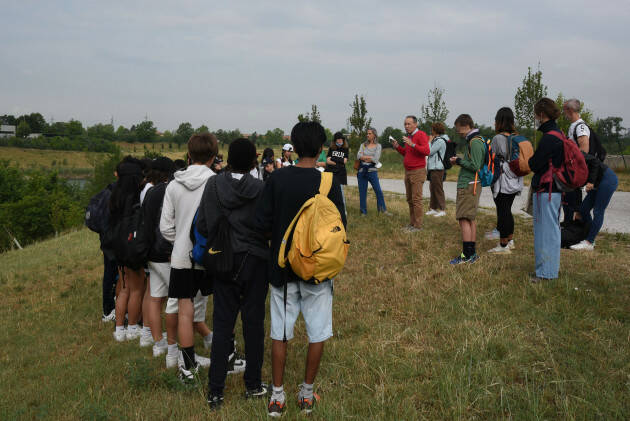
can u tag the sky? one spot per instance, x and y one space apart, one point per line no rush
256 65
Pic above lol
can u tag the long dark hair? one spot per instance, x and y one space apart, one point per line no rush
504 120
127 187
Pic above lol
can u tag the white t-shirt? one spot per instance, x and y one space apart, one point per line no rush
144 191
582 130
285 163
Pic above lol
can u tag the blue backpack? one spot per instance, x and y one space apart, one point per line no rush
200 243
486 173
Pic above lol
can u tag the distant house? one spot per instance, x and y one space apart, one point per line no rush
7 131
34 135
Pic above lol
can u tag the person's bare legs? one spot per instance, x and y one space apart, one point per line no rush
185 322
135 283
122 297
146 296
278 360
313 358
171 328
202 329
154 309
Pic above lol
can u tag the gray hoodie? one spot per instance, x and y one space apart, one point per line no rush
181 201
238 194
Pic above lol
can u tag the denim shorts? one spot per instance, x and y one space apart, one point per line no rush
315 303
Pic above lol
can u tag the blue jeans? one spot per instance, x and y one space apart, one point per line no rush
597 200
363 176
547 234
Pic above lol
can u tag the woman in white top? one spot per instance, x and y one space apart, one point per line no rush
508 185
285 160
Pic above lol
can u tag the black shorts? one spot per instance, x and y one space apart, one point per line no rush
185 283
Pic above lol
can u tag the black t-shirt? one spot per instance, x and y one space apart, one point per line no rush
339 169
285 192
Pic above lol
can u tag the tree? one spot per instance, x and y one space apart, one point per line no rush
274 137
101 131
74 128
359 122
203 129
35 121
8 119
146 131
22 129
313 116
254 138
526 97
610 131
122 134
435 111
183 133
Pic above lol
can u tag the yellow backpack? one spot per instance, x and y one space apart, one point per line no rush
319 246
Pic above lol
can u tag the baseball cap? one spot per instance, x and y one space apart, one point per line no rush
287 147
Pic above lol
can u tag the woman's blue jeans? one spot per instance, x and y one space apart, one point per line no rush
597 201
363 177
547 234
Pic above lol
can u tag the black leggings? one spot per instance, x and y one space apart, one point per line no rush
505 219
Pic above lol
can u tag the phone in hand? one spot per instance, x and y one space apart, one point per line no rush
391 139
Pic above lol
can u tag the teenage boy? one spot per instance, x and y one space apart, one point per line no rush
181 200
233 194
468 187
415 151
285 192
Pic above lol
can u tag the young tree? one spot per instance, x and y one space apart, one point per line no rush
183 133
611 131
146 131
526 97
359 122
22 129
312 116
435 110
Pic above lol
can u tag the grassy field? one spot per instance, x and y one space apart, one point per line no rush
414 337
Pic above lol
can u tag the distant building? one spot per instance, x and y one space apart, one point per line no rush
34 135
7 131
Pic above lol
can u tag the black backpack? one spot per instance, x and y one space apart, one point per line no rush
595 146
573 232
451 150
124 238
97 211
218 258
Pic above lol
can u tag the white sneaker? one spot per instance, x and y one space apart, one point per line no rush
439 214
146 339
133 334
109 317
431 212
160 347
235 364
511 245
171 360
187 377
207 343
492 235
500 250
120 335
583 245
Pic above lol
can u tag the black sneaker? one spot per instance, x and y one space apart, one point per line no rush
215 401
187 377
235 364
261 391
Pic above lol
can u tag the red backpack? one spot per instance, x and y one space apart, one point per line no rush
572 173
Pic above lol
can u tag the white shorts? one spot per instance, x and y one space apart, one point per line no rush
315 303
200 303
160 278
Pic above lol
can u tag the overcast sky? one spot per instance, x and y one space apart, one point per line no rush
256 65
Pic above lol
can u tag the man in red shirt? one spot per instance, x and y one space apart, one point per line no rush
415 151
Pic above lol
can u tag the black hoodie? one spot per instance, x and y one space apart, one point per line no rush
549 148
238 200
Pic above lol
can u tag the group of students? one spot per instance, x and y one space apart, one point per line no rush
175 206
259 202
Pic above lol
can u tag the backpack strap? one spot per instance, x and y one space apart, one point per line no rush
326 183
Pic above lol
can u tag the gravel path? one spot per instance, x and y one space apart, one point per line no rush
617 218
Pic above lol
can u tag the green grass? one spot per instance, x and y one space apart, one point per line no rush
413 337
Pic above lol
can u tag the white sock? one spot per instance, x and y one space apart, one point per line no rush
208 337
172 349
277 394
120 328
132 327
146 330
306 391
